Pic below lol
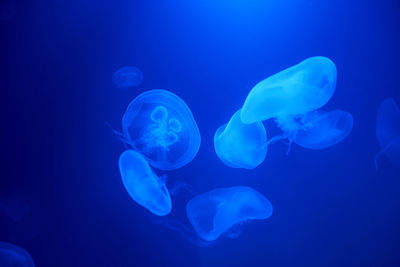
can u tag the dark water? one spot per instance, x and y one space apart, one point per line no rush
331 208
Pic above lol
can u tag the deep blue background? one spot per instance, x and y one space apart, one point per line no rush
331 208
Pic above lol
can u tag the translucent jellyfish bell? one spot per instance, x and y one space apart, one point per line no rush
299 89
217 211
142 184
388 130
160 125
321 130
127 77
14 256
241 145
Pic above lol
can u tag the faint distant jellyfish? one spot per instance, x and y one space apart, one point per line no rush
127 77
160 125
14 256
388 131
218 211
241 145
143 185
320 130
21 217
299 89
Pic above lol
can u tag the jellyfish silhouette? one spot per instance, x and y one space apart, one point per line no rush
127 77
217 211
388 131
241 145
14 256
160 126
142 184
299 89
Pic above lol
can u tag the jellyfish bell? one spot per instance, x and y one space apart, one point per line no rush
214 213
160 125
320 130
240 145
299 89
127 77
14 256
143 185
388 131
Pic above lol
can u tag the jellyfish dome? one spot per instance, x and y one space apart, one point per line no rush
388 130
320 130
217 211
14 256
127 77
143 185
299 89
241 145
160 125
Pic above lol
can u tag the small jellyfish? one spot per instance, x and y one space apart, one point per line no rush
241 145
142 184
320 130
220 210
160 125
299 89
388 131
127 77
14 256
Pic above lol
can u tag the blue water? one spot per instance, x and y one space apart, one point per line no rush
61 195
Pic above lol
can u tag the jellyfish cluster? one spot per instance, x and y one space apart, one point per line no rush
292 98
160 134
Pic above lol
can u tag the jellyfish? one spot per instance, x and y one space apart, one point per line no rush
320 130
14 256
241 145
160 126
388 131
143 185
220 210
299 89
127 77
21 217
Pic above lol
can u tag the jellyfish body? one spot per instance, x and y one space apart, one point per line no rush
127 77
217 211
142 184
321 130
388 130
299 89
241 145
14 256
160 125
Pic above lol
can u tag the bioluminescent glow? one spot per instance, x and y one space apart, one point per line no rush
241 145
320 130
127 77
302 88
142 184
388 130
14 256
160 125
217 211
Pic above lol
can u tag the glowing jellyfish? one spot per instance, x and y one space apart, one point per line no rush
299 89
14 256
142 184
241 145
127 77
217 211
388 130
160 125
321 130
